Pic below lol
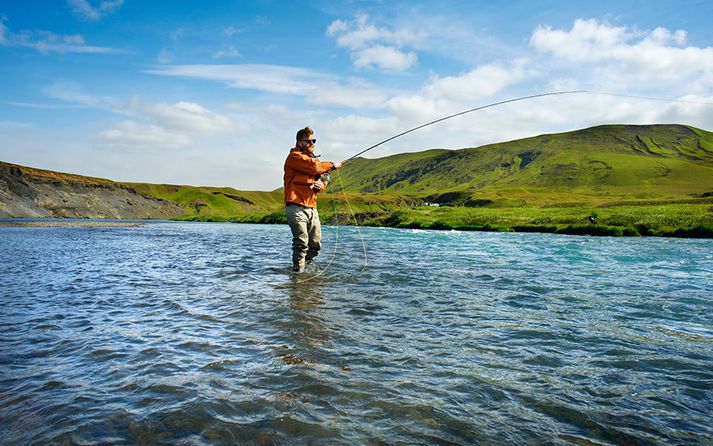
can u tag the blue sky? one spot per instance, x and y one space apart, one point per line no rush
212 93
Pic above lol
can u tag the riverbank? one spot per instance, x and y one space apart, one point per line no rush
60 223
660 220
670 220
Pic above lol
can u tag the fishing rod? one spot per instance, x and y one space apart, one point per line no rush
523 98
453 116
463 113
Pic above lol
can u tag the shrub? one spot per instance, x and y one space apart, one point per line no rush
591 230
535 228
277 217
700 231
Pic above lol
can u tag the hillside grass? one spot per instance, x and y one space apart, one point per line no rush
200 202
685 220
595 165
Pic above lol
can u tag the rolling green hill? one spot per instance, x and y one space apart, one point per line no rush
592 166
213 202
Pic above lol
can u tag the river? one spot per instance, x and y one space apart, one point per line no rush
191 333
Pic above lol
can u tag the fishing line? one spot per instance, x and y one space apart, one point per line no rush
356 222
334 251
650 98
463 113
336 238
494 104
523 98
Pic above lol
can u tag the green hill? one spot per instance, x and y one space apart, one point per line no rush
598 165
212 202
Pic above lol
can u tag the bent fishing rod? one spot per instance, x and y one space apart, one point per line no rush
494 104
523 98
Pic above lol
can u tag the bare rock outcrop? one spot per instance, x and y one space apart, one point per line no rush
34 193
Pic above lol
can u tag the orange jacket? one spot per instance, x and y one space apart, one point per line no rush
300 172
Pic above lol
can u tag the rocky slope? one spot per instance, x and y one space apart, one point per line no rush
34 193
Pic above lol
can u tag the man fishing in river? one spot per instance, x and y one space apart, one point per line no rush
305 176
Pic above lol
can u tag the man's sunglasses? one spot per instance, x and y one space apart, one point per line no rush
313 141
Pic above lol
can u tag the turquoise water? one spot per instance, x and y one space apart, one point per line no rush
186 333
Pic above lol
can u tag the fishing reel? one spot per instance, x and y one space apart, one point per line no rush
324 178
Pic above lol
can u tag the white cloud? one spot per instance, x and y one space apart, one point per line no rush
449 94
316 87
85 11
374 47
189 118
183 125
654 55
385 58
40 105
175 125
229 52
271 78
132 135
46 41
157 126
483 81
231 31
72 92
352 93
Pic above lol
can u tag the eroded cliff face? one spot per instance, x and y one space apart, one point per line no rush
33 193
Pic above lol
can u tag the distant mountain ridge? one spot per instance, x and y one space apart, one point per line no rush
594 166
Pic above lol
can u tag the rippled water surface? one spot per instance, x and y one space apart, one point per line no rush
185 333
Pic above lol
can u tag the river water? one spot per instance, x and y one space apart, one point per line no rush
189 333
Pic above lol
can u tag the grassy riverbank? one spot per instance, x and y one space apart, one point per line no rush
684 220
675 219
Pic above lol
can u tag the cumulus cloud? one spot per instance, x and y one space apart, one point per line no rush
352 93
85 11
164 125
46 41
374 47
448 94
657 54
133 135
385 58
189 118
482 81
159 126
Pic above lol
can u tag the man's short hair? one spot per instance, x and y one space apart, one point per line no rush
304 133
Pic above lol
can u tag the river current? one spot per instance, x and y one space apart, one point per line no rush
189 333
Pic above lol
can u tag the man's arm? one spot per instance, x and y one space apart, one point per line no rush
306 165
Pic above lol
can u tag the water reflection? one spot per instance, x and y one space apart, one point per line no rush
305 324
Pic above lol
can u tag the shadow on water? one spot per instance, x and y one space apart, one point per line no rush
304 326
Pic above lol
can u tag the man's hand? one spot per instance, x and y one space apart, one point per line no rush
338 165
318 186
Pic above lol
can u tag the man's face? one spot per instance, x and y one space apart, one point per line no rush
307 144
